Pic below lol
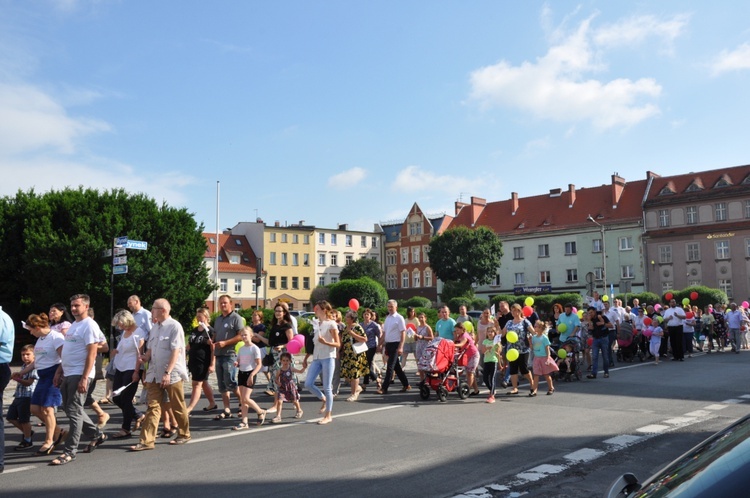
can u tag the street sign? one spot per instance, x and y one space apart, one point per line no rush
119 251
120 270
136 244
121 241
107 253
120 260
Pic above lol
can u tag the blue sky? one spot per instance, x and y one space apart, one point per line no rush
349 112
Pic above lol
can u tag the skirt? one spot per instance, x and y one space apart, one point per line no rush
45 394
544 366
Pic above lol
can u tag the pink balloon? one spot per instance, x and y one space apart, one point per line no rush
575 310
745 304
353 304
657 307
648 332
294 347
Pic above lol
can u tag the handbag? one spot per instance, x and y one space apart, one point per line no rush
268 360
359 347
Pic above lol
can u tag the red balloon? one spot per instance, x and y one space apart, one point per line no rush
353 304
590 341
668 296
694 296
411 326
527 311
689 315
647 321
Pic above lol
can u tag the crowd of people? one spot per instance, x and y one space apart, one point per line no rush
151 350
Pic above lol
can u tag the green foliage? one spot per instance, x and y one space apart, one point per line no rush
456 302
479 303
455 289
51 247
706 296
364 267
320 293
367 291
415 302
543 303
643 298
466 255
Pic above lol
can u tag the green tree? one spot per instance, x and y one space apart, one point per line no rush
367 291
466 257
51 247
364 267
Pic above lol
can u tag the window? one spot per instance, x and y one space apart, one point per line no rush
334 260
496 281
295 259
255 288
212 240
322 280
363 243
518 253
665 254
428 278
626 271
272 258
237 307
426 254
306 283
234 259
747 209
722 249
691 215
295 238
284 281
271 282
666 286
570 248
664 220
333 239
415 279
544 277
720 211
518 279
415 228
391 281
321 259
404 255
747 248
415 250
348 259
348 241
223 285
626 243
283 259
306 259
375 242
272 237
725 284
306 239
598 273
321 238
544 250
572 275
283 238
334 279
405 279
693 251
237 285
596 245
390 257
295 282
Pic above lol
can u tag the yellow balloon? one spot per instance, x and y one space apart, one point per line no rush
561 353
468 326
605 298
512 355
529 301
580 313
512 336
562 328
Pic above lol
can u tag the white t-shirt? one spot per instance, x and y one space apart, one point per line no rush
670 316
248 357
393 326
323 351
128 350
74 352
45 350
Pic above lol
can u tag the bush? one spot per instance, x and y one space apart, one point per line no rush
479 304
706 296
415 302
319 293
367 291
643 298
456 302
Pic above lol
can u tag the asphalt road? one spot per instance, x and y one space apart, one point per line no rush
574 443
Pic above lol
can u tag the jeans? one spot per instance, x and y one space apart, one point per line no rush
124 400
226 373
600 344
4 379
391 350
735 336
324 366
80 423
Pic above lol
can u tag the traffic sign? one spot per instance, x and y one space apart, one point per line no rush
106 253
120 260
119 251
120 270
136 244
121 241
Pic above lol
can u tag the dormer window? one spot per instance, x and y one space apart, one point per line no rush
723 182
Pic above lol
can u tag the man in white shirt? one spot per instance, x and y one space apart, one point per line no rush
394 334
141 315
614 326
673 317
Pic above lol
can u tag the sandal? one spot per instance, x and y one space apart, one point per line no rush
60 438
141 447
606 376
105 401
122 435
298 414
514 391
44 451
180 440
227 413
276 420
261 418
63 459
23 445
550 392
94 444
167 433
210 408
241 426
532 393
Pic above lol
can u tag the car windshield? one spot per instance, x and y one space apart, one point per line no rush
714 468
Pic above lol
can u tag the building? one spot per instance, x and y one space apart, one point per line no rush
697 231
237 270
407 264
340 247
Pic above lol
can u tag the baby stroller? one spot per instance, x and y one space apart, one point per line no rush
627 343
440 365
575 347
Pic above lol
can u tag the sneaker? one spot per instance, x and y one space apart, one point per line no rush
490 399
25 444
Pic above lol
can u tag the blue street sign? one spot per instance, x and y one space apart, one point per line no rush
120 260
136 244
121 241
120 270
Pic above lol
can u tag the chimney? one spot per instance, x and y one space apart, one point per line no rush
459 205
477 206
572 192
514 198
301 222
343 227
277 223
618 185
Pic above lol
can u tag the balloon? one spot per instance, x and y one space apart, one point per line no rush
468 326
686 301
590 341
660 318
512 336
689 315
299 338
512 355
657 307
529 301
668 296
694 296
353 304
527 311
648 332
580 313
294 347
575 310
411 326
562 328
745 304
561 353
605 298
647 321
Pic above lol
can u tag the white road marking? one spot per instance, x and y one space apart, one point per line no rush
584 455
679 420
653 429
624 440
716 407
18 469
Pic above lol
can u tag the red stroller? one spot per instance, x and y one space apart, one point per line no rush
440 364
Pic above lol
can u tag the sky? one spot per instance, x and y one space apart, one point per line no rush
349 112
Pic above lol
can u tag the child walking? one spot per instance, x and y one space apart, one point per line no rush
543 362
249 363
287 390
656 335
19 411
492 353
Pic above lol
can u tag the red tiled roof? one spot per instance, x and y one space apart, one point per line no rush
679 184
228 244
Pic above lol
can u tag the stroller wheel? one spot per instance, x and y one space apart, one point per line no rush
424 391
442 393
463 390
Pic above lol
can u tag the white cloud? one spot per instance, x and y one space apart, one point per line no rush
414 179
537 145
347 179
560 86
735 60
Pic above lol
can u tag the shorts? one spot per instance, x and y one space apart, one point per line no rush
20 410
520 365
242 378
226 373
410 347
473 363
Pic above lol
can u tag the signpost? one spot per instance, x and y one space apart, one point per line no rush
118 253
119 269
120 260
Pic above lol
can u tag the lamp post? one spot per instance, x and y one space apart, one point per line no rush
604 252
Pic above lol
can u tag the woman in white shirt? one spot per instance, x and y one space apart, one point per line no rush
326 340
126 377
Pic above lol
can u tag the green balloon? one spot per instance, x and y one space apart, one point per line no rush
562 328
562 354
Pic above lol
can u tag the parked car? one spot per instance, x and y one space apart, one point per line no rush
717 467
